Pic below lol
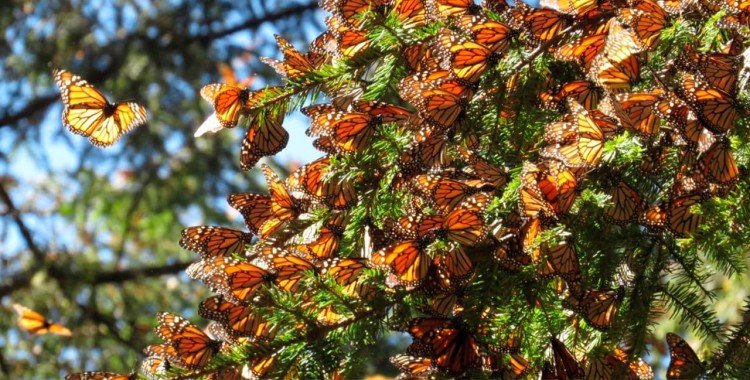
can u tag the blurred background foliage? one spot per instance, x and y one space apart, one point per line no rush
88 236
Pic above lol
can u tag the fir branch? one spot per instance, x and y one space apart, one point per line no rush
690 309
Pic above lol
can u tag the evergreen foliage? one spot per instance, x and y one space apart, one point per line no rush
526 207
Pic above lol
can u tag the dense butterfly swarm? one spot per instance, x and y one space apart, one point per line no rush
482 164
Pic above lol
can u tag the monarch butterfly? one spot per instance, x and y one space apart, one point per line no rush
646 21
329 238
597 307
88 113
36 323
290 270
97 375
229 102
683 363
346 272
566 365
719 70
564 260
447 193
240 279
413 367
736 21
572 7
617 365
627 204
454 268
441 79
464 226
448 8
351 131
492 34
283 206
349 11
436 106
214 241
617 65
680 220
487 171
155 365
586 149
351 43
558 185
636 111
542 24
429 152
451 346
264 137
296 66
193 349
468 60
238 320
411 13
255 209
718 164
532 203
407 260
583 49
715 108
318 181
581 91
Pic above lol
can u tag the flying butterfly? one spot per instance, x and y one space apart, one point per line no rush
193 349
35 323
88 113
683 363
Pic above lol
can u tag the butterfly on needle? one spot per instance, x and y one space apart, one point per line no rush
88 113
36 323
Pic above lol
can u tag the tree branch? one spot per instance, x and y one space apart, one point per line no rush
255 22
39 256
122 275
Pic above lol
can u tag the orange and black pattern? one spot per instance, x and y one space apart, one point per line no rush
441 196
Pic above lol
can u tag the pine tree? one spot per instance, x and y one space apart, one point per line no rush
520 190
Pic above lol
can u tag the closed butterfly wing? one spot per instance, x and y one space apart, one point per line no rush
683 363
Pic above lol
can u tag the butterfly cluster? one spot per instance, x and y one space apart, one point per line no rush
419 207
